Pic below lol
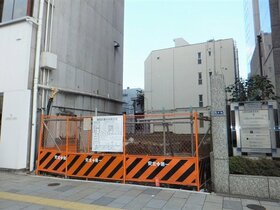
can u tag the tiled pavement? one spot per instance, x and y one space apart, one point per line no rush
21 191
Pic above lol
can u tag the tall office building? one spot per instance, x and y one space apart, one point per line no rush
262 19
71 52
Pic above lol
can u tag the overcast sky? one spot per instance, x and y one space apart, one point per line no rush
153 24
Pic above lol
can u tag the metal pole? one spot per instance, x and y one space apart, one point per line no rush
35 87
164 137
192 145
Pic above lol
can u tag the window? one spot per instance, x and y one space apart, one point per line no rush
200 100
199 57
1 108
201 121
13 9
210 73
1 9
209 53
199 78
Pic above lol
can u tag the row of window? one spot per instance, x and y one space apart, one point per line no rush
199 59
200 77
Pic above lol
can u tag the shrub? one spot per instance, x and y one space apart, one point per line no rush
260 167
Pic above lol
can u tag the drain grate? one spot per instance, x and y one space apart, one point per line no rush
255 207
53 184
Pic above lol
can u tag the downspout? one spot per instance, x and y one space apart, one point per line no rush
35 87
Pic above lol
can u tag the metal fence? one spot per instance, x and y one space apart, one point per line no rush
162 148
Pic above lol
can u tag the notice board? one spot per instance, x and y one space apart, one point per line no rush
107 134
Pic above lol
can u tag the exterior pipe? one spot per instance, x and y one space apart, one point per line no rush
35 87
76 92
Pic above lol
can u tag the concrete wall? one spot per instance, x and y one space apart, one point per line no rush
83 39
255 186
15 45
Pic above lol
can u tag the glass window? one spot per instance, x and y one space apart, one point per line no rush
209 53
13 9
199 57
201 121
1 9
199 78
210 73
20 8
200 100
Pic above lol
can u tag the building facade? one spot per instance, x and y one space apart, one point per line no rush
263 39
178 78
71 52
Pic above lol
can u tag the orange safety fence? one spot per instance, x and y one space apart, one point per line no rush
161 148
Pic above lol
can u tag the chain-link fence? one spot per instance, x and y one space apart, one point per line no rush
71 132
168 147
161 135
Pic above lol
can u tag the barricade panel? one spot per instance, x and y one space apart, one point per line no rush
163 148
95 166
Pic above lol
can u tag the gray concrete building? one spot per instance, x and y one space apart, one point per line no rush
68 51
262 19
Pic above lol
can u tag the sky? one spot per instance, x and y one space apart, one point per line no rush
154 24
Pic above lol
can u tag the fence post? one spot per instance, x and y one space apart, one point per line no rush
164 136
124 147
196 151
40 142
67 144
191 118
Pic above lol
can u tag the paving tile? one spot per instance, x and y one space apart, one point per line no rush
103 201
116 205
151 191
13 190
139 202
192 207
164 195
156 203
175 203
214 199
181 194
95 196
124 199
268 207
245 202
270 203
115 194
197 199
133 192
235 205
212 206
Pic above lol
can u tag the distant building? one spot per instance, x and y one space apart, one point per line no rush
130 105
79 53
262 18
179 77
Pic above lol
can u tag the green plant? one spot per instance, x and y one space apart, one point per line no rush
261 167
256 88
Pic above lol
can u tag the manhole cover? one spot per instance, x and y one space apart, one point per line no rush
255 207
53 184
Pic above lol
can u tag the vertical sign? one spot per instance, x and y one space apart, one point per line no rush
107 134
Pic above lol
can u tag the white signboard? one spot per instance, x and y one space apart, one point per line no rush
255 132
107 134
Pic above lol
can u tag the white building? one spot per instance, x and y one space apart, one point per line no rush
75 47
179 77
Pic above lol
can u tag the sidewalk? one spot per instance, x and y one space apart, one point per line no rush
21 191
